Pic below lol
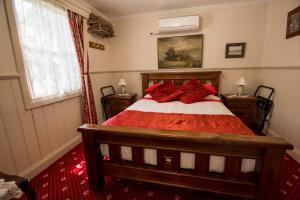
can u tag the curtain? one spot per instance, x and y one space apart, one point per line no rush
89 108
48 50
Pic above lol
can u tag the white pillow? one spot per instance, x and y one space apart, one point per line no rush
147 96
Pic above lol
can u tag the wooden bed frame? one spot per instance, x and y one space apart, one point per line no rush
262 185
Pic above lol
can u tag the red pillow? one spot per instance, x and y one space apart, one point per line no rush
166 92
171 96
210 88
151 88
193 92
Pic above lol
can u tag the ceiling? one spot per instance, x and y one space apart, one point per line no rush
114 8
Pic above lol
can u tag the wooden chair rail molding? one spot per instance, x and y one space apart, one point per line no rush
266 150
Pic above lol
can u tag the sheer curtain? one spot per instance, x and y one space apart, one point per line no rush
89 108
48 49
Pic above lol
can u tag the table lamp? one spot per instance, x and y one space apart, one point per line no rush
241 83
123 85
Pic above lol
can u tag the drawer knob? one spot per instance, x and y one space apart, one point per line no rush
168 160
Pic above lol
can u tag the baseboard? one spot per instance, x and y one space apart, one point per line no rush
35 169
295 153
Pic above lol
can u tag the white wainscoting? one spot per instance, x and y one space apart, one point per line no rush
285 116
30 140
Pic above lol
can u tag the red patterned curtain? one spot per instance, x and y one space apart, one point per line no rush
89 108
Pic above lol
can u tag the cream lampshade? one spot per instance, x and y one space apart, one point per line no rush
241 83
123 84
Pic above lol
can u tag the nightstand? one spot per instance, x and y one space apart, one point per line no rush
119 103
243 107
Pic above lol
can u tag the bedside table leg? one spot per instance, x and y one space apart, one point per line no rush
28 190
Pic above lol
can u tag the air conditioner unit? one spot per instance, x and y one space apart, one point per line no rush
179 24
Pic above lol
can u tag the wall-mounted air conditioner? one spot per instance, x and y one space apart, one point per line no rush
179 24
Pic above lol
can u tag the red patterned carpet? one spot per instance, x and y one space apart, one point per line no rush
66 180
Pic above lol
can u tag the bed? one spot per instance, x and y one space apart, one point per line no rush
169 149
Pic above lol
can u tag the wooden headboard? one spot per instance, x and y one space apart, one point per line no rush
179 78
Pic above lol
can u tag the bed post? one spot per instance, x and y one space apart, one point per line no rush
96 181
144 82
270 173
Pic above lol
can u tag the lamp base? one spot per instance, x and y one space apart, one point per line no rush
240 90
123 95
123 88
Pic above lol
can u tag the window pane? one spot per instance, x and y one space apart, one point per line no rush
48 49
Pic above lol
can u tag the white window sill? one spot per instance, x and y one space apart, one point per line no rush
31 104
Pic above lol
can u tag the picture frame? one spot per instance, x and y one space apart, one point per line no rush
293 23
180 51
235 50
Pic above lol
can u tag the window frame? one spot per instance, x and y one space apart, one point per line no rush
29 103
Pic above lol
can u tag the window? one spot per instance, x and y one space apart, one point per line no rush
50 62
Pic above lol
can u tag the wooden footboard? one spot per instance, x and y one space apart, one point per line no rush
262 185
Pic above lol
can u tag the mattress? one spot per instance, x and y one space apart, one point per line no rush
211 107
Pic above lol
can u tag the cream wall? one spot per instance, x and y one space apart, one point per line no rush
7 64
285 120
30 140
279 51
134 50
281 70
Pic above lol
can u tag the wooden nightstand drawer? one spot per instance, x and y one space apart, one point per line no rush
243 107
244 114
119 103
117 110
240 104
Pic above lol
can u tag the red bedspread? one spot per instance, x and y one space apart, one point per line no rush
221 124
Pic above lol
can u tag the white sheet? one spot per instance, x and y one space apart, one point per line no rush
204 107
187 160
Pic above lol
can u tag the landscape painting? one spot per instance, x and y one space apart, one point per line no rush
180 52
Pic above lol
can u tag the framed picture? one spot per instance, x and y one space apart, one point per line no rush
293 23
180 52
235 50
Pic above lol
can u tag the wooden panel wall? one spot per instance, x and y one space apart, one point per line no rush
28 136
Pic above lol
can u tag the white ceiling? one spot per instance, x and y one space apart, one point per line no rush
114 8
